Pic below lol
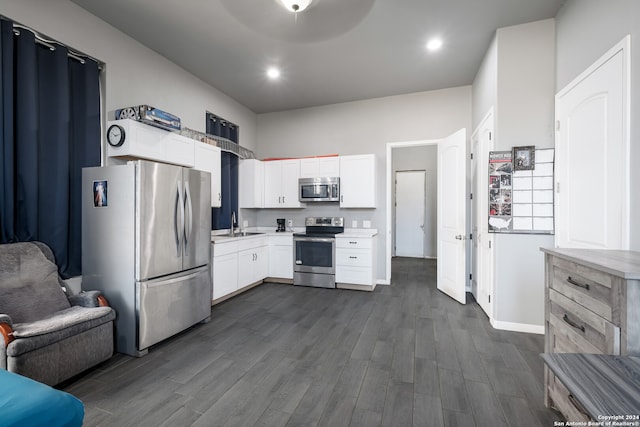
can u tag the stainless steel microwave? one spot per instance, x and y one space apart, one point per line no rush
319 189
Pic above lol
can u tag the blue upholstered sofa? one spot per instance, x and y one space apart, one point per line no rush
46 334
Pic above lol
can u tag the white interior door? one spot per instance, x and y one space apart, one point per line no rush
482 255
592 150
410 205
452 227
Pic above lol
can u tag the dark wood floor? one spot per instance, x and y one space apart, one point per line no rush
282 355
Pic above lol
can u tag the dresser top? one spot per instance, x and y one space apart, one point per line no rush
604 385
625 264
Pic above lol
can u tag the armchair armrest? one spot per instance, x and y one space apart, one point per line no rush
89 299
6 329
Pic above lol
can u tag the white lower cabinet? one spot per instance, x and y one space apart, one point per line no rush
281 257
225 268
355 262
238 264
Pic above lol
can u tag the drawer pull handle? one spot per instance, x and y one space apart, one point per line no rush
353 243
578 284
572 323
353 257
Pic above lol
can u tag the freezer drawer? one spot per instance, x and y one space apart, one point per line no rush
169 305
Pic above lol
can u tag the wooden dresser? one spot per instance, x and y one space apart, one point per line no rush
592 305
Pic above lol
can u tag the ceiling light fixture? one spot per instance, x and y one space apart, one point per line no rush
434 44
295 5
273 73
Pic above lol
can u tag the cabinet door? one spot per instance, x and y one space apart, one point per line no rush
246 273
309 168
216 179
289 184
329 166
251 183
273 184
261 263
225 275
281 261
357 181
207 158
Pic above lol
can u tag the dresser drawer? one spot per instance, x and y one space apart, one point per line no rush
586 286
575 329
564 402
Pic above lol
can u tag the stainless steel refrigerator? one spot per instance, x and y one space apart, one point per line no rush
146 244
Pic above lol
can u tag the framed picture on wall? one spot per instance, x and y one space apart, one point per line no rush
524 158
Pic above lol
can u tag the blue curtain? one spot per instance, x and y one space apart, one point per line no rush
50 122
221 217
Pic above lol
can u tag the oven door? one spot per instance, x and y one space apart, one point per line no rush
314 255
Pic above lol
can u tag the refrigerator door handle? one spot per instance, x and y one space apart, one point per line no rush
188 221
178 220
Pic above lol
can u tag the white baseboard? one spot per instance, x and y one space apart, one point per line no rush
518 327
383 282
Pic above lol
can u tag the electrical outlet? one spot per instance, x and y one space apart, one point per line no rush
245 223
290 223
354 223
366 224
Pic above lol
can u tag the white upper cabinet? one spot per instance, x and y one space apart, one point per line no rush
207 158
251 183
320 167
358 181
281 184
131 139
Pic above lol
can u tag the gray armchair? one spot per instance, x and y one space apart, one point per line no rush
45 334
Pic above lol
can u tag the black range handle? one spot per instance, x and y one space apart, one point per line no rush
572 323
578 284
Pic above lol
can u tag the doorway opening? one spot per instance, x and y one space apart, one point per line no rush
410 213
412 156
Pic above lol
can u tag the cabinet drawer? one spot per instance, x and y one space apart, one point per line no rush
354 275
281 240
354 258
576 329
220 249
251 243
586 286
359 243
564 402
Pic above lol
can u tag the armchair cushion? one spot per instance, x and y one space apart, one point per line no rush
85 299
30 287
61 325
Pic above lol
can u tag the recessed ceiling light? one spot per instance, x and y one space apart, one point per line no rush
273 73
434 44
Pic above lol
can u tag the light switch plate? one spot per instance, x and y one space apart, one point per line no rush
245 223
366 224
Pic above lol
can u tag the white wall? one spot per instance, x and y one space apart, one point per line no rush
585 30
358 128
422 158
134 74
517 80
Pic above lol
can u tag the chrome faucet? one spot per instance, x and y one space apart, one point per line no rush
233 222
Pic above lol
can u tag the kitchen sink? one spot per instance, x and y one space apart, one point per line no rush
239 234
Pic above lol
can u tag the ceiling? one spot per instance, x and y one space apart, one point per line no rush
335 51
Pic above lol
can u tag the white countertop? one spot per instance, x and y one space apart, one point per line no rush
220 236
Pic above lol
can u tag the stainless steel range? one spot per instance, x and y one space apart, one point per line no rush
314 255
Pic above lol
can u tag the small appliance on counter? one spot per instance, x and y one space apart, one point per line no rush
281 226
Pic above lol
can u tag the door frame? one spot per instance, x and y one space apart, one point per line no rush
389 201
395 209
482 200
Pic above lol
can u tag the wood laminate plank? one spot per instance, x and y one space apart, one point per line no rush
427 411
486 408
